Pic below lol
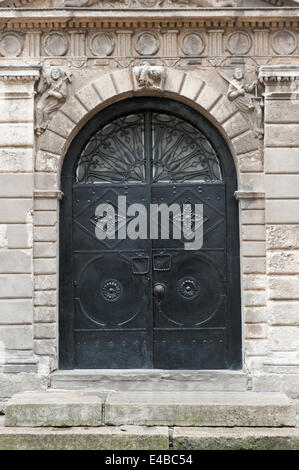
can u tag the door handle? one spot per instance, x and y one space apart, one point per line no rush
158 290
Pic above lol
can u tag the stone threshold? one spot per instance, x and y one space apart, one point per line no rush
149 380
145 438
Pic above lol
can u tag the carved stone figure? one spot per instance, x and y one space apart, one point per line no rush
250 107
52 91
149 76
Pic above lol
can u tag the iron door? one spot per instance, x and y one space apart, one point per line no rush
144 302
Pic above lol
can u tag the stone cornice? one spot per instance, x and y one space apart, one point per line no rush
16 73
24 18
278 73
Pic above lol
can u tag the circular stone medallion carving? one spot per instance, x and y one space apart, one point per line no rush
188 288
11 45
284 42
111 290
147 43
56 44
101 44
239 43
193 44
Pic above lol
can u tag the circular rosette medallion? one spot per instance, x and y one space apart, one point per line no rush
192 292
108 292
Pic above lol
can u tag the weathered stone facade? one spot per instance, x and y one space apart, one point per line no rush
92 54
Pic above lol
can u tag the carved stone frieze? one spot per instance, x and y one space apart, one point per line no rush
149 76
51 95
152 3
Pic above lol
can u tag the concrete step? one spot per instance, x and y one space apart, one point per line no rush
57 409
149 438
150 380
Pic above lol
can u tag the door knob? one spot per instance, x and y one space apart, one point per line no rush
158 290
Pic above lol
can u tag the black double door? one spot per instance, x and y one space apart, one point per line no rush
143 301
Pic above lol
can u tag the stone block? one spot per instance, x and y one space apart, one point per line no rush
253 232
282 237
45 298
74 110
15 261
285 383
255 314
15 160
199 409
45 266
89 97
256 331
44 250
45 347
16 336
254 282
15 210
19 235
283 313
208 97
45 218
254 298
236 125
45 161
56 409
52 143
16 383
17 110
45 234
45 331
221 111
254 265
282 186
282 211
14 311
256 347
283 262
45 181
281 135
245 143
281 160
123 81
283 287
188 439
45 204
174 80
45 314
105 87
280 111
253 248
16 135
253 217
191 87
16 185
132 438
45 282
284 338
16 286
62 124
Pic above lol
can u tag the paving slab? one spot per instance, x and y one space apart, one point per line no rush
54 409
236 439
200 409
103 438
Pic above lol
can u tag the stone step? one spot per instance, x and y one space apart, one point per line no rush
150 380
216 409
149 438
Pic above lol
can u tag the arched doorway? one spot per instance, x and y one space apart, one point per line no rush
148 302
